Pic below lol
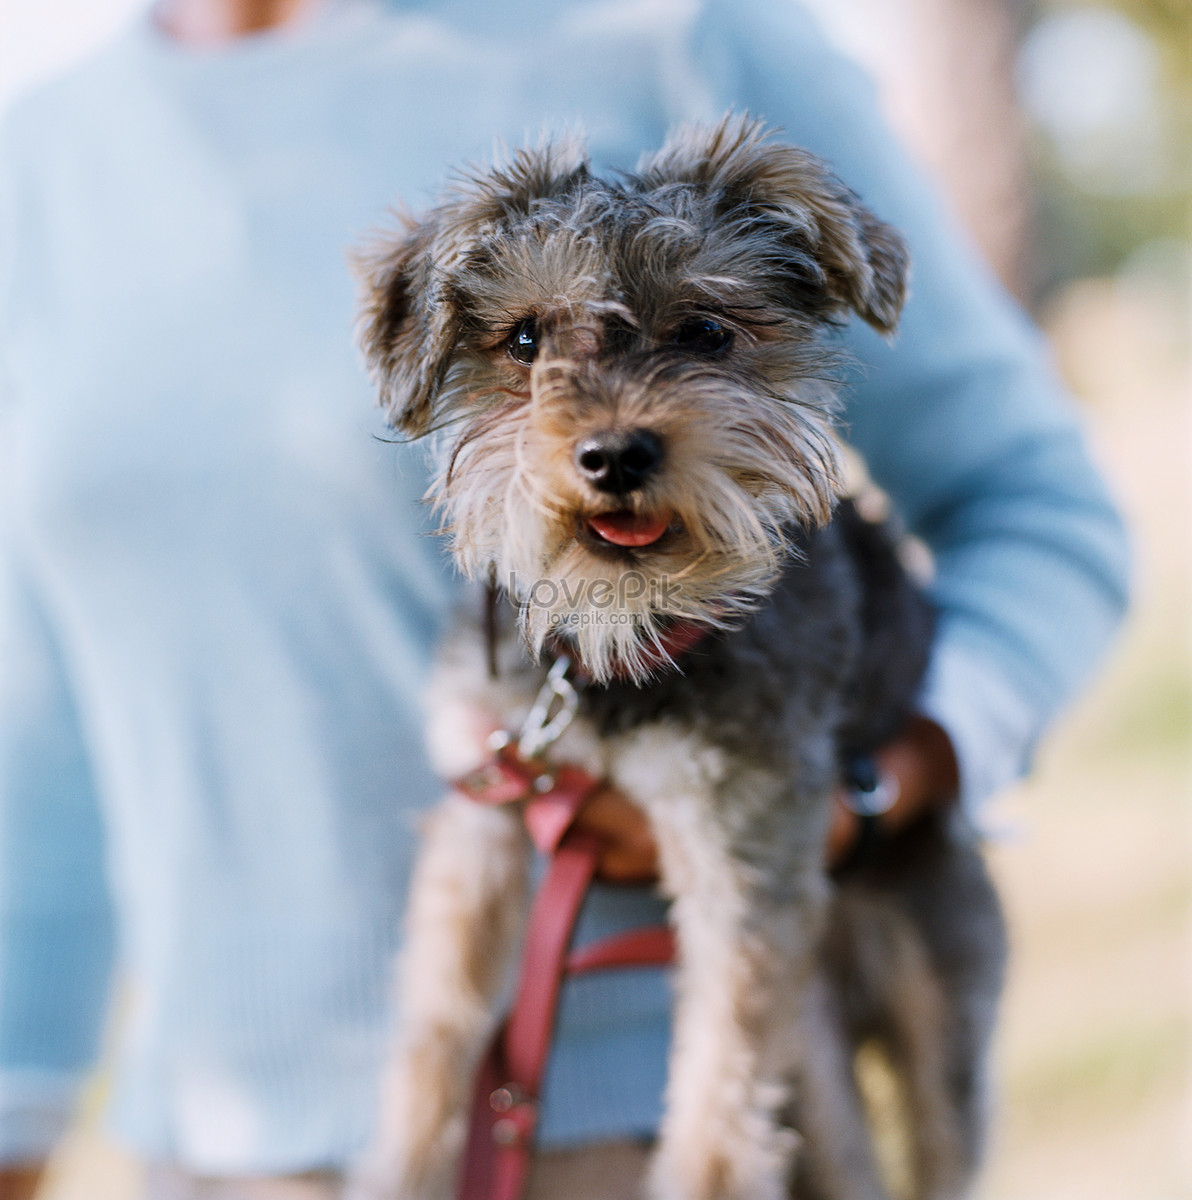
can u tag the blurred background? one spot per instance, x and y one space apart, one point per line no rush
1062 133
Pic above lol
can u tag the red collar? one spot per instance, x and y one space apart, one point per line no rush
676 641
668 649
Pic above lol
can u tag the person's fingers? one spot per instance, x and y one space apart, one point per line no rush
630 853
923 766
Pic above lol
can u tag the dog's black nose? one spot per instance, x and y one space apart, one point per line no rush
619 461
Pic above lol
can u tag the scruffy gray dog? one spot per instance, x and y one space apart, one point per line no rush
627 385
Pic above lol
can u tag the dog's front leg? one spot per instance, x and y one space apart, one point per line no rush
467 904
747 919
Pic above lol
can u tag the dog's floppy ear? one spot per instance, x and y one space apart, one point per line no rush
416 281
408 326
862 262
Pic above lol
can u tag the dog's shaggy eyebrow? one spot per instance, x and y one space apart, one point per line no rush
703 301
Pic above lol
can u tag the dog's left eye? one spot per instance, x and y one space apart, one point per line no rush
703 336
523 342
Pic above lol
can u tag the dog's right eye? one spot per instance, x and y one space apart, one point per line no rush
703 335
523 342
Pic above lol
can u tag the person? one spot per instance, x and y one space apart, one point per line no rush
218 592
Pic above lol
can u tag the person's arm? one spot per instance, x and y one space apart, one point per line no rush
55 921
959 417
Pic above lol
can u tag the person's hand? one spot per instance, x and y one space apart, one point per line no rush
923 763
630 853
19 1183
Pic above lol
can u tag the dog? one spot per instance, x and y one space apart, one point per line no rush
629 386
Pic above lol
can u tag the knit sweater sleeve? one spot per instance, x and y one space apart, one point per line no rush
960 419
55 926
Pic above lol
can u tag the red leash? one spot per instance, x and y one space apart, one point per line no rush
504 1115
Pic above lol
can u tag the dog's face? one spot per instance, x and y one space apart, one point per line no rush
627 377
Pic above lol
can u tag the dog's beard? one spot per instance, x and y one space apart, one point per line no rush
735 486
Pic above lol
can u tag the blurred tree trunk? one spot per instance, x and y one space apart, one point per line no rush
978 145
946 72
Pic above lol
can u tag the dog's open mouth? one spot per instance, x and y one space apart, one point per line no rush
626 528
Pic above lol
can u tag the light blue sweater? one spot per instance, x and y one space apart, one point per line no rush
217 593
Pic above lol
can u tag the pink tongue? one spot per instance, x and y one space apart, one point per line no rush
629 529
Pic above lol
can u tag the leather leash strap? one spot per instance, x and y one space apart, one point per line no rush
504 1113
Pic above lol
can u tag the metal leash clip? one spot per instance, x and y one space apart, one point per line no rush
554 708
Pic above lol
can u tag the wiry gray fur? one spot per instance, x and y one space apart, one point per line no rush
816 647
